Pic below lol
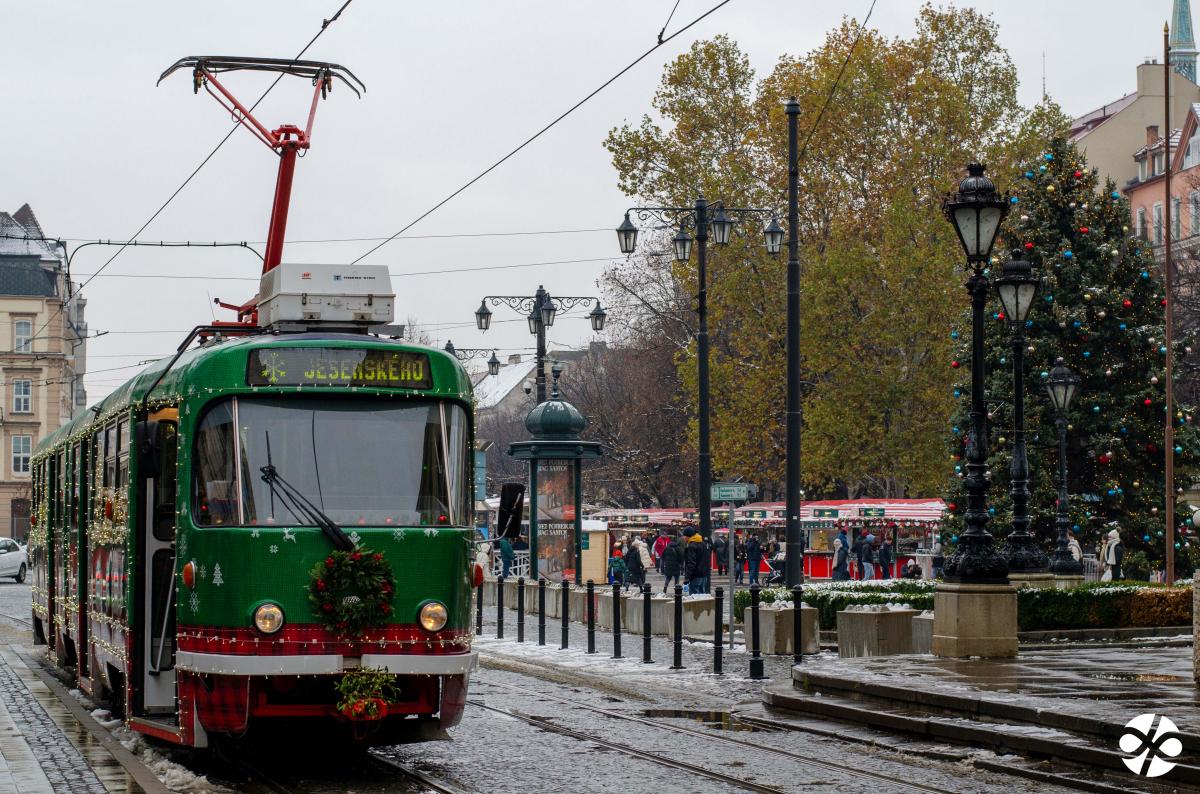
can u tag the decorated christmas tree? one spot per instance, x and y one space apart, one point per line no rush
1100 306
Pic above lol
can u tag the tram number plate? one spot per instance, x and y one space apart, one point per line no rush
310 366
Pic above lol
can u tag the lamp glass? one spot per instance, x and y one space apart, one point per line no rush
965 222
683 246
534 321
989 224
483 316
493 364
548 309
774 236
721 227
597 317
627 235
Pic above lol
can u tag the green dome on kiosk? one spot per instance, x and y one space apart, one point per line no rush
555 420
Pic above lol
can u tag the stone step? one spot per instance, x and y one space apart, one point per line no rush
1035 735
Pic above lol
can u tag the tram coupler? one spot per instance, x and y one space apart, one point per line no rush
756 660
678 650
520 609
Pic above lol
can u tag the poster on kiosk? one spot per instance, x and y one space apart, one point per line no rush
556 518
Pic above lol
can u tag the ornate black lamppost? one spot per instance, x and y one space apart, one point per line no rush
542 309
468 353
976 211
1016 288
719 227
1061 385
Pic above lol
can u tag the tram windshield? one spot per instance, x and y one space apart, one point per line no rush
360 462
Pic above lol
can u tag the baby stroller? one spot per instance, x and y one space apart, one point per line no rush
777 564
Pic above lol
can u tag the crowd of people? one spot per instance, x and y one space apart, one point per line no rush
685 557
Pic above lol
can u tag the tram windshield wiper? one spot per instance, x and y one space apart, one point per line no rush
299 505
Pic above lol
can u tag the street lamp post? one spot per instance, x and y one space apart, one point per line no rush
696 218
794 538
541 308
976 211
1061 385
1016 288
468 353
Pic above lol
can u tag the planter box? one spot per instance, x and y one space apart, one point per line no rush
922 632
775 628
697 616
660 615
604 609
884 633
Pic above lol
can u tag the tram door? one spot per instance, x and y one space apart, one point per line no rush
157 472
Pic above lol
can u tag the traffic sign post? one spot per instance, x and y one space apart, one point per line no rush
730 492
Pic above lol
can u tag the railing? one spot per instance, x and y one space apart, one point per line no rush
518 567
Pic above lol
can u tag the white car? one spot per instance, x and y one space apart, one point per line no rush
13 560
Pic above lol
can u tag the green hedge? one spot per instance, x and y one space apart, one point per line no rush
1092 605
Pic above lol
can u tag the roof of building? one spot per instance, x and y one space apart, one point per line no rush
21 235
1084 124
490 390
27 278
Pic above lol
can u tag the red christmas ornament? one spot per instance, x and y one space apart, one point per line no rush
1162 302
1083 230
1147 402
954 365
1000 316
1127 303
1028 246
952 507
1078 174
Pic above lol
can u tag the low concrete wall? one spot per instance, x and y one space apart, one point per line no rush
776 627
604 609
697 616
922 632
871 633
660 615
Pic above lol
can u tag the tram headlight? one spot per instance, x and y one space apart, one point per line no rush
268 618
433 616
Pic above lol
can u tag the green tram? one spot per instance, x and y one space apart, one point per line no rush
181 524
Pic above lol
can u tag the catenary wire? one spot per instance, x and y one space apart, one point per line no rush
324 26
539 133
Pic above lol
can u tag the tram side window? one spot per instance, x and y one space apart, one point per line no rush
165 482
110 456
215 479
123 454
78 471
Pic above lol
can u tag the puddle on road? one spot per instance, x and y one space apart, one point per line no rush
720 720
1144 677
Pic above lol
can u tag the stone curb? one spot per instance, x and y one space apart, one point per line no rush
142 776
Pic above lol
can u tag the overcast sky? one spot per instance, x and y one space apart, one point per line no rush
90 142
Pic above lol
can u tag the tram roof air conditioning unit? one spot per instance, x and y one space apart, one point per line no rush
330 295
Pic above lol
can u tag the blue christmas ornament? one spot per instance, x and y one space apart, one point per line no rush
958 392
1178 450
1029 323
957 469
1162 349
1176 545
995 315
956 431
954 334
1111 492
1003 360
1014 200
954 538
1068 254
1145 274
1123 326
1087 354
1124 429
1075 527
1095 409
1029 175
991 511
1048 156
1076 323
1115 195
1049 299
1044 374
1146 538
1042 168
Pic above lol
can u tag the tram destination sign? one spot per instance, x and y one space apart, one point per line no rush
324 366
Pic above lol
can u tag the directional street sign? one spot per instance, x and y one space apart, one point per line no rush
730 491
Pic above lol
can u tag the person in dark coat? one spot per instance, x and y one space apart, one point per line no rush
697 564
672 562
739 561
885 559
721 547
841 559
635 567
753 557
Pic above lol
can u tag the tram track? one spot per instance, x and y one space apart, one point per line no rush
636 752
890 783
259 782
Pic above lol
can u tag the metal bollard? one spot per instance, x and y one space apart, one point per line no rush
500 608
541 611
678 658
718 622
616 612
591 616
566 612
646 625
479 609
797 625
520 609
756 661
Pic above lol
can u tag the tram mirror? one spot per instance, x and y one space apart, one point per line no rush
512 506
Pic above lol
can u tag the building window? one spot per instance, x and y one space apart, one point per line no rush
22 449
1159 160
23 336
1141 223
1192 156
1141 170
1176 211
22 396
1158 223
80 393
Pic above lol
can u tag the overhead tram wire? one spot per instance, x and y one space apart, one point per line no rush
456 235
324 26
539 133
